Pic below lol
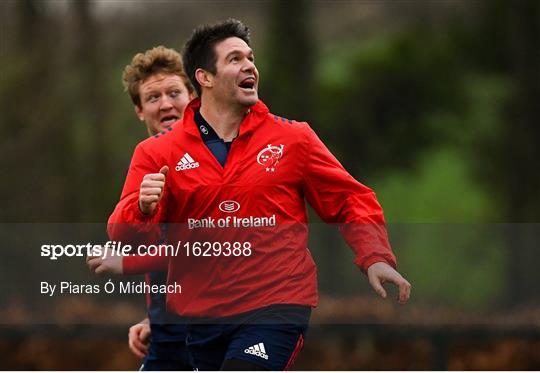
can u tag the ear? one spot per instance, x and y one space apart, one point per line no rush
204 78
139 112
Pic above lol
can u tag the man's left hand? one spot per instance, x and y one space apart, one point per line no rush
380 272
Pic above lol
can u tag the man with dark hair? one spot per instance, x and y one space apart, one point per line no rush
238 183
199 49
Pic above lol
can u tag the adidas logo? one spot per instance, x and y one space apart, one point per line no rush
257 350
186 163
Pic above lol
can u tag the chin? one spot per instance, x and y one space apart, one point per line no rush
248 102
157 129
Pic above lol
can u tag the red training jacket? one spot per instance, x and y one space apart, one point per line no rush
273 166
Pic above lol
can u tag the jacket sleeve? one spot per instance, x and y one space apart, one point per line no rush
127 223
340 199
138 265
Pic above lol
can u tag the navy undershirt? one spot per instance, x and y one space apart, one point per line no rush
218 147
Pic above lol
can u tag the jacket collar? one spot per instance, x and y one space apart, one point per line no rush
255 115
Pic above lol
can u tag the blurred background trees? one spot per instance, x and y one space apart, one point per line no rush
435 104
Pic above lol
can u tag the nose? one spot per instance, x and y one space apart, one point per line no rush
165 103
249 65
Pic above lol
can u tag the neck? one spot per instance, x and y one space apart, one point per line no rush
224 118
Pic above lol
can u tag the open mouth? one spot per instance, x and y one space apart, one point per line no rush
168 120
248 83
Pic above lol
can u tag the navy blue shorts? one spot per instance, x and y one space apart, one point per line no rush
165 355
270 337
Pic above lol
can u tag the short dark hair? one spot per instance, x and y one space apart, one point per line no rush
199 51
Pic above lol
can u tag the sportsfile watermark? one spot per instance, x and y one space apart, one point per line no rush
114 248
110 248
45 276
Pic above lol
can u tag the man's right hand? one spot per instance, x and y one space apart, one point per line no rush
152 190
111 264
139 338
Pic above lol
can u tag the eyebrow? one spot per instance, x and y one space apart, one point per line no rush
238 51
168 87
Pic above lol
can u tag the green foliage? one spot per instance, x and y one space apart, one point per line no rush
438 190
374 97
419 122
435 214
453 264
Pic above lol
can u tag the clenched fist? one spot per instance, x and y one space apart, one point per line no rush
152 190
